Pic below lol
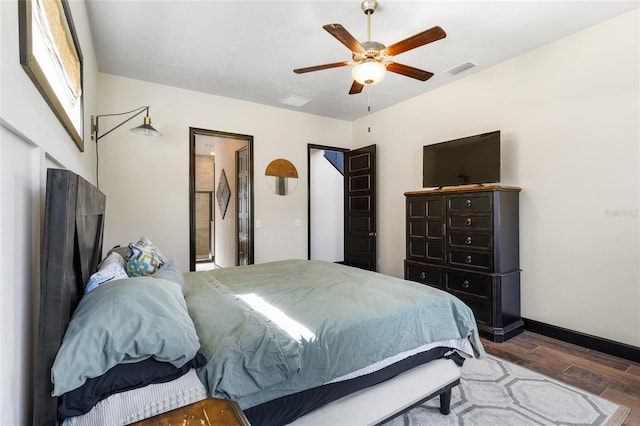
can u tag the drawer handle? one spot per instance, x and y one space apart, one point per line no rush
423 275
468 203
465 284
469 221
468 240
468 259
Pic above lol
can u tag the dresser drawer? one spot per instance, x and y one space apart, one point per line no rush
471 222
481 310
425 249
473 284
424 274
470 259
468 240
471 202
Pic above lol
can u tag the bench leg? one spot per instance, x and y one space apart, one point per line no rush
445 402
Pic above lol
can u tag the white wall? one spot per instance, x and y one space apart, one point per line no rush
31 139
569 115
146 180
327 209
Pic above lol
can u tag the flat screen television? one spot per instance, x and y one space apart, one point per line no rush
474 159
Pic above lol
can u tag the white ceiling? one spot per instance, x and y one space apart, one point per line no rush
248 49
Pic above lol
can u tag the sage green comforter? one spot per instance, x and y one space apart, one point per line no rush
274 329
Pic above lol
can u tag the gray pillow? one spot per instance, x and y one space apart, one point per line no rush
170 272
126 321
121 250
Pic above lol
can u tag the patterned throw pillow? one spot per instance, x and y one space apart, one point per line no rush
143 258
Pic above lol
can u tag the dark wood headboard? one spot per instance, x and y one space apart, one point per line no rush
71 251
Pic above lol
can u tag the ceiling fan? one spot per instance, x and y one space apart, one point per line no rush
373 59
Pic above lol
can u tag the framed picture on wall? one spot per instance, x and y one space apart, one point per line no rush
50 54
223 194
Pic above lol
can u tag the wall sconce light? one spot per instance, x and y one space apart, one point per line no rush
145 129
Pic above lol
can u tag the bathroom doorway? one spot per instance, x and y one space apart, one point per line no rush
220 199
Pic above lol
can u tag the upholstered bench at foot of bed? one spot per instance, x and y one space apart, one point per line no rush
374 405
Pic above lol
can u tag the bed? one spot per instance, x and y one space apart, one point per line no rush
293 341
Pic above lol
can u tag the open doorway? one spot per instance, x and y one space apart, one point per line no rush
342 205
220 199
326 203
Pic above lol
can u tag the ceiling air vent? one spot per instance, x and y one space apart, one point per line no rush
295 100
462 67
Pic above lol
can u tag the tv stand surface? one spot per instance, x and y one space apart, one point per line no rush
461 186
471 187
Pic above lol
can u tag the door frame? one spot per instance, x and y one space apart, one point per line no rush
193 131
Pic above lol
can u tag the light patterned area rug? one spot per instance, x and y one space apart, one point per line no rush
496 392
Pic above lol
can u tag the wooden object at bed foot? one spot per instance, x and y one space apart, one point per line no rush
209 412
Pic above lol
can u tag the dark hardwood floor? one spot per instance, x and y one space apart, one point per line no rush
612 378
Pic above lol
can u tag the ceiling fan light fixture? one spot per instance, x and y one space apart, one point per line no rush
370 59
369 72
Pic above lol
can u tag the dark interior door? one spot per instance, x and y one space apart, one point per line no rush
242 160
360 208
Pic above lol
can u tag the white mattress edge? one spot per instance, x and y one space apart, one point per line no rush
462 345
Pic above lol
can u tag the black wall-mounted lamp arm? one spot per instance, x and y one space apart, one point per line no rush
95 119
144 129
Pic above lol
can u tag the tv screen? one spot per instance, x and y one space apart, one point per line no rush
474 159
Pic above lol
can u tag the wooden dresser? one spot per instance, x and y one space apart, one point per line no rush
466 241
210 411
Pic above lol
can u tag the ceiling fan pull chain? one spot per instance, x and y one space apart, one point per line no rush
369 108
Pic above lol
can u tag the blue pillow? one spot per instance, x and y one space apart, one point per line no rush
111 269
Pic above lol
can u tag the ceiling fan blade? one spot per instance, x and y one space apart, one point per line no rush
322 67
344 37
408 71
425 37
356 88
